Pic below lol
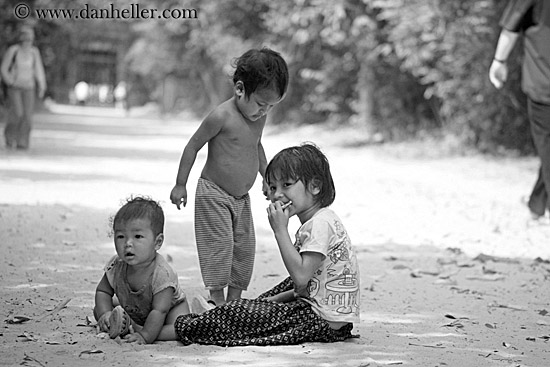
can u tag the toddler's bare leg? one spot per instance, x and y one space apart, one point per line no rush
167 332
180 309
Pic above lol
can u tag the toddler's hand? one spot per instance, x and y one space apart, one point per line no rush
103 323
135 338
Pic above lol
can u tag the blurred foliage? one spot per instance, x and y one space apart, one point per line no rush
400 69
448 47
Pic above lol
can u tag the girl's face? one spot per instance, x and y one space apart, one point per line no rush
303 198
257 104
135 242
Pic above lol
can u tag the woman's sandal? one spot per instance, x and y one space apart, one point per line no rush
119 323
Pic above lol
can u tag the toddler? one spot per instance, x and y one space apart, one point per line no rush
138 280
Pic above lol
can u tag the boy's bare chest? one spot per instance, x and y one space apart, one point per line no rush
242 134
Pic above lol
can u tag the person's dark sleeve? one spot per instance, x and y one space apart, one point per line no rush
518 15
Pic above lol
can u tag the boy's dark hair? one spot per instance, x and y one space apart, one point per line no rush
141 207
308 164
259 69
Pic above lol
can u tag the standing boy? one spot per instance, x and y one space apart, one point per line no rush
224 229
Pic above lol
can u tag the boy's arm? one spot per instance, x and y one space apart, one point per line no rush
103 303
262 158
162 301
209 128
263 166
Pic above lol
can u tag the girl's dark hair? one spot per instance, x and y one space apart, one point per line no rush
141 207
307 164
259 69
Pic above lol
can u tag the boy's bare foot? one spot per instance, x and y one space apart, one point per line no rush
199 305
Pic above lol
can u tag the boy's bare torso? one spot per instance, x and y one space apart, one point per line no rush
233 161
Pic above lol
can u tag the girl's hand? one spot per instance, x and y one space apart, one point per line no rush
278 217
103 323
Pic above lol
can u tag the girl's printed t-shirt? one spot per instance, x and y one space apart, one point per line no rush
334 290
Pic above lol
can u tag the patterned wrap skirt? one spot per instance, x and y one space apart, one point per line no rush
259 322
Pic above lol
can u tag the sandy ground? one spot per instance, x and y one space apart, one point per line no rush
453 272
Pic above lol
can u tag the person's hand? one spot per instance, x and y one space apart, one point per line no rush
498 73
266 191
41 92
103 323
134 338
178 196
278 217
9 79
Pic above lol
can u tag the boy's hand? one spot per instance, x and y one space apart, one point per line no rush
103 323
178 196
41 92
265 190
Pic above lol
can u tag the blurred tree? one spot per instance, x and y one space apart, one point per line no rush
448 47
198 52
339 55
395 67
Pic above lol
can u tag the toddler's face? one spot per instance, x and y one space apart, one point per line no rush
258 104
135 242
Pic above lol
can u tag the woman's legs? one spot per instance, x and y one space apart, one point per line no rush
15 114
18 127
26 122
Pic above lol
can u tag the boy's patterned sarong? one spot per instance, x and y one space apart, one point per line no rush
259 322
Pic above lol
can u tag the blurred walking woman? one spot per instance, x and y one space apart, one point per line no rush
23 73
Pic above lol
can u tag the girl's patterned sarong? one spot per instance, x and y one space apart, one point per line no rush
259 322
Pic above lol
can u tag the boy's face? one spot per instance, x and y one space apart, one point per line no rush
135 242
258 104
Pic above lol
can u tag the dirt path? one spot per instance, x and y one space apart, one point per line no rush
419 223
